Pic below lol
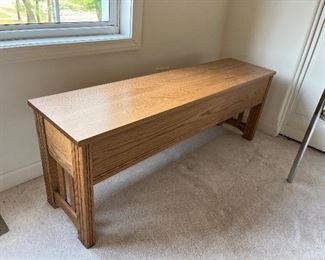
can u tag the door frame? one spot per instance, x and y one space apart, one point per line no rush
304 63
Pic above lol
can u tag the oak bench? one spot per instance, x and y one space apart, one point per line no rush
88 135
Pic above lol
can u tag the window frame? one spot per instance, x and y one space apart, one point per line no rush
68 29
128 39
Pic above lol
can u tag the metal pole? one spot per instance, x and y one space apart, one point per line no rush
307 137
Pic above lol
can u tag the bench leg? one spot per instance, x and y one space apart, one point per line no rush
252 122
48 163
249 128
84 194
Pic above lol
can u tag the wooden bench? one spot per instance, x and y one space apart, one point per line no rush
88 135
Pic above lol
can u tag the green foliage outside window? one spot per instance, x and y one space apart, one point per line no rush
83 5
42 11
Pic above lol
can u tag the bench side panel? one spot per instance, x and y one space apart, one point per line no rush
59 146
135 143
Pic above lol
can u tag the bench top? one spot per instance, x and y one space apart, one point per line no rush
90 112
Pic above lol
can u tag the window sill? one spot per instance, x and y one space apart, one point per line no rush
40 49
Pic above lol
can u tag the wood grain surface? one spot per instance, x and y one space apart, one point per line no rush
87 113
135 143
84 194
93 133
59 146
49 165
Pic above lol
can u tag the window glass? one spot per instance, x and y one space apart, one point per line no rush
53 11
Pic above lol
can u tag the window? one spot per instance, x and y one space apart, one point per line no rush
51 29
37 19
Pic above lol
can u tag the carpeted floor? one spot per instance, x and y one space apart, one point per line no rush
227 199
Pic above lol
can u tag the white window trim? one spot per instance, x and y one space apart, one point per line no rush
129 38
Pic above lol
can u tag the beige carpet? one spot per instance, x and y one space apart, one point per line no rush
225 200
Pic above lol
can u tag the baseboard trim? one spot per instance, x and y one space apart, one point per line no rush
21 175
268 128
297 134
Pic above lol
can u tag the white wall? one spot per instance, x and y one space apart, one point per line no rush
175 33
269 33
